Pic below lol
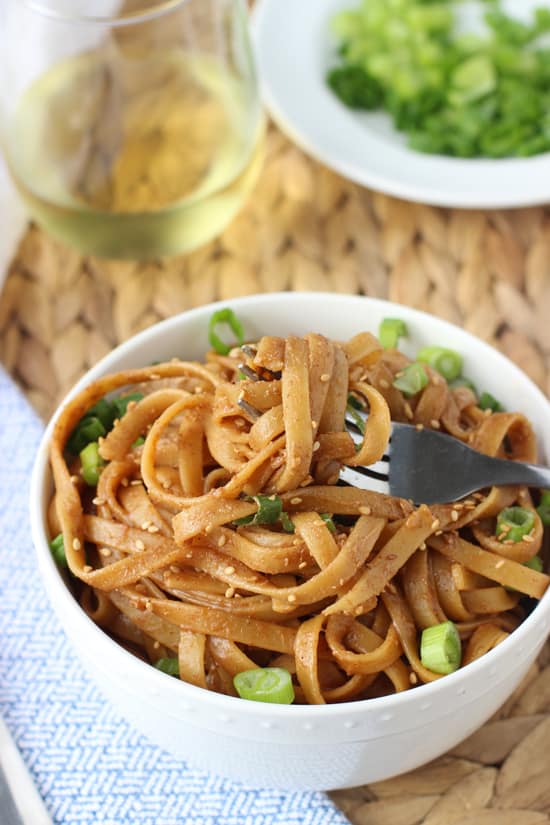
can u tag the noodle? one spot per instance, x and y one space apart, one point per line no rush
217 534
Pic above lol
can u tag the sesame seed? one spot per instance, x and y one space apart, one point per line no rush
365 511
439 532
149 606
189 555
296 500
153 529
229 570
499 564
174 569
230 592
413 678
384 384
314 425
135 483
154 376
422 546
508 541
487 412
221 541
528 538
325 377
454 515
435 424
116 422
420 427
291 597
140 545
408 410
106 552
124 482
316 446
302 565
74 479
87 568
131 405
156 645
145 525
358 610
98 501
435 524
76 544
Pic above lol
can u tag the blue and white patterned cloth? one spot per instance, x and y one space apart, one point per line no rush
88 765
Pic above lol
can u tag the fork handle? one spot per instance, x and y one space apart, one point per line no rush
500 471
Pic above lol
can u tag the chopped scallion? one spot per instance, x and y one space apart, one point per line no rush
440 648
87 430
57 548
286 522
353 405
489 402
268 512
169 666
461 381
121 404
139 441
445 361
99 420
390 331
265 684
535 563
228 318
327 518
91 463
513 523
412 379
544 508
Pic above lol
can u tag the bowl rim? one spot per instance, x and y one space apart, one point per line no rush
52 578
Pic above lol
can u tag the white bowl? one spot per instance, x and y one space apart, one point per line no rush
301 747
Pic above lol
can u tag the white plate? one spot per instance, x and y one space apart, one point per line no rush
294 49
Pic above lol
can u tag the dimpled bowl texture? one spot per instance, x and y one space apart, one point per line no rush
301 747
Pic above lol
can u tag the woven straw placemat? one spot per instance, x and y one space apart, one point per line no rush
305 228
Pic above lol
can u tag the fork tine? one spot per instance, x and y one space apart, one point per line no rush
354 478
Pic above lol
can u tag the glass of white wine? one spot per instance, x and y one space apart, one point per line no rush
132 128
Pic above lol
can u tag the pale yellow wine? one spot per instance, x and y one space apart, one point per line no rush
136 156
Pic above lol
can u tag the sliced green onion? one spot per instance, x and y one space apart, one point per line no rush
91 463
544 508
57 548
535 563
327 518
224 317
412 379
446 361
489 402
268 512
286 522
390 331
169 665
265 684
139 441
461 381
351 410
513 523
103 410
440 648
87 430
121 404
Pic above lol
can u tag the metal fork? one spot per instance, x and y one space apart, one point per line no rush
430 467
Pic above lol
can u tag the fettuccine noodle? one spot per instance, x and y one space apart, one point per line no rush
166 555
